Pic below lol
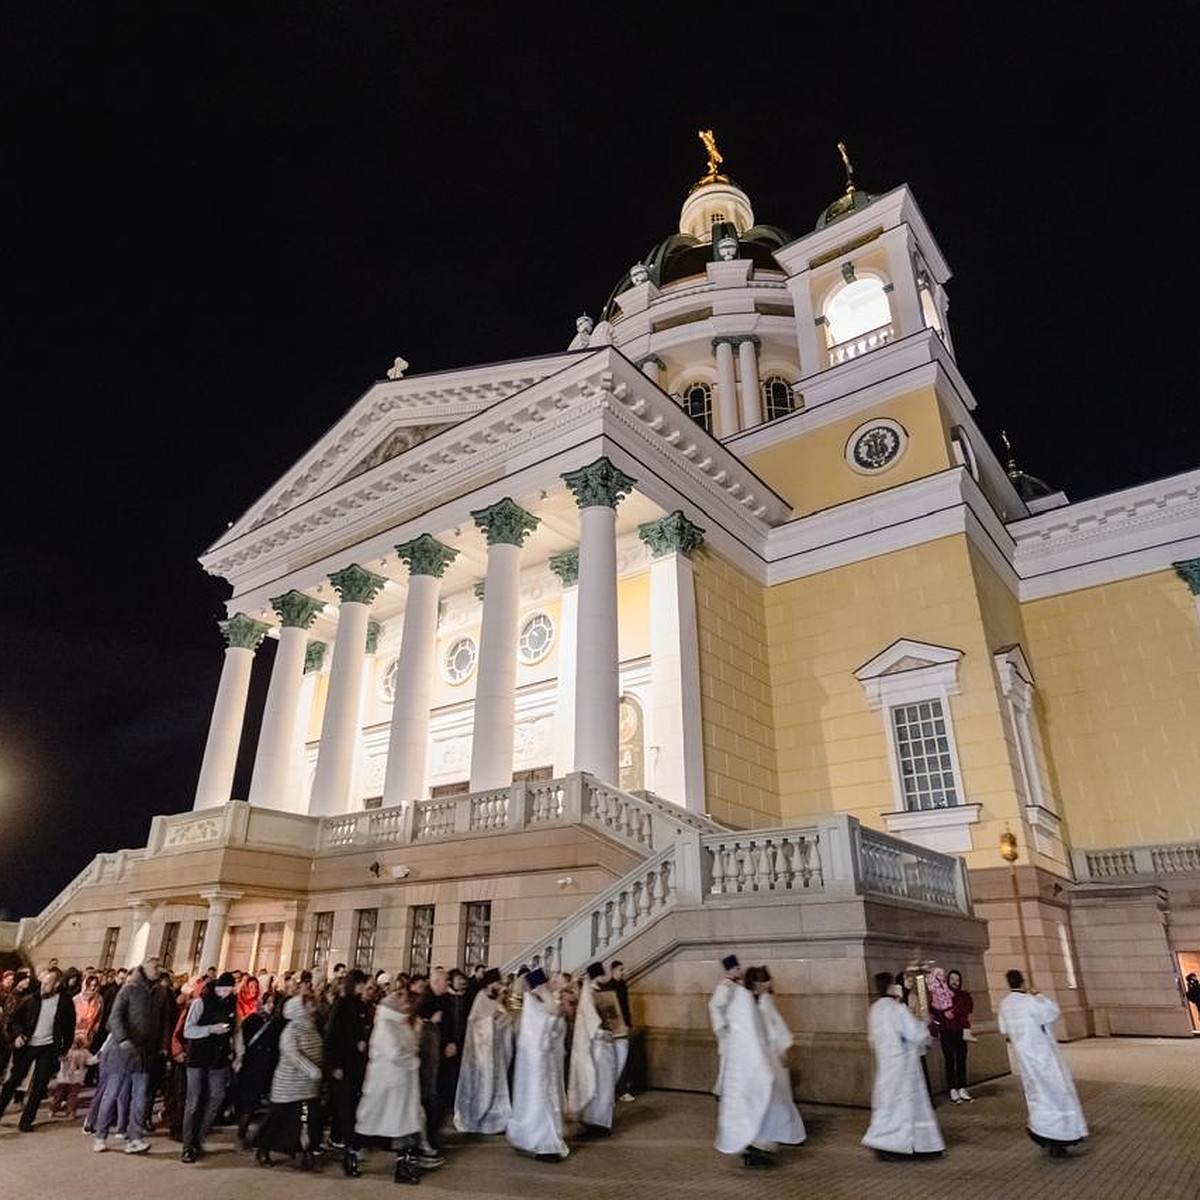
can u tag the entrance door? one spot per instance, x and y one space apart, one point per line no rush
1189 964
241 946
270 946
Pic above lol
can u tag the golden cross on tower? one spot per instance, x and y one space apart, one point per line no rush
714 156
849 167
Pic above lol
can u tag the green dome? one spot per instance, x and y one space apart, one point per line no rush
850 202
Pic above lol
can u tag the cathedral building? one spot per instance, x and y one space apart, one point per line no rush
723 627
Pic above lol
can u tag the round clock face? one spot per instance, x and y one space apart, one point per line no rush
875 446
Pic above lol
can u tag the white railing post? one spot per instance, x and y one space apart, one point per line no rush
518 806
573 797
688 880
408 817
840 853
462 813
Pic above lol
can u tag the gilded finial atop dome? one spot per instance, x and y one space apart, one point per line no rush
712 175
851 200
849 168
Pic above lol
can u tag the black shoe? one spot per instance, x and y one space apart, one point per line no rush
892 1156
757 1158
262 1157
350 1164
407 1170
25 1128
1059 1152
547 1158
596 1131
189 1154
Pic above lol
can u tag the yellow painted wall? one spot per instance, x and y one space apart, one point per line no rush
810 470
1118 670
831 745
735 703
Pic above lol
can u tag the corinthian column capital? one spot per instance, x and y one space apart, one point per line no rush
296 610
243 632
425 555
599 484
357 585
505 523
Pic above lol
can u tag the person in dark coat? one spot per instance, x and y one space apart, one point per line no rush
208 1036
347 1036
42 1028
255 1051
135 1026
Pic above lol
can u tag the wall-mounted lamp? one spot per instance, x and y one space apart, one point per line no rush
1008 846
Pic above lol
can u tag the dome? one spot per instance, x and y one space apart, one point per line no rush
851 201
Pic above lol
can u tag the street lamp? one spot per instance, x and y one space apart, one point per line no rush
1010 854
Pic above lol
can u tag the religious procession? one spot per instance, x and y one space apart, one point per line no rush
328 1072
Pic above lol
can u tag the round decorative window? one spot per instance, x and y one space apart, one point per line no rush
387 681
460 660
876 445
537 636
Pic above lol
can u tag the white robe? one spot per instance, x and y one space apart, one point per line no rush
390 1105
756 1096
1054 1111
718 1003
902 1119
536 1124
592 1083
481 1103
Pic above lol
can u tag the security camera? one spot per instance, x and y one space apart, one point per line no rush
401 872
566 881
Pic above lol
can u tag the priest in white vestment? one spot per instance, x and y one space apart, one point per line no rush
1027 1019
718 1003
536 1124
902 1120
756 1111
481 1101
592 1075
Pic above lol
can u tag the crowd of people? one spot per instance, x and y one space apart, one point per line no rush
306 1069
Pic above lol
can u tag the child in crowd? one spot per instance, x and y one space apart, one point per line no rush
64 1100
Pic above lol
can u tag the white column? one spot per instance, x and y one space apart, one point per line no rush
506 526
566 567
357 588
810 337
726 424
243 635
598 490
139 942
907 316
408 739
674 734
276 738
652 367
297 786
218 920
751 390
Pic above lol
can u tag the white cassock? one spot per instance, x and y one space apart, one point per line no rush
1054 1111
481 1103
390 1105
536 1124
718 1004
902 1119
756 1095
592 1082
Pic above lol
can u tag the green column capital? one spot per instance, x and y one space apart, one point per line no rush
672 534
296 610
566 566
505 523
314 657
425 555
1189 572
243 632
598 484
357 585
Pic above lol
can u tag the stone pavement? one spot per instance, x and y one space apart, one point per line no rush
1141 1098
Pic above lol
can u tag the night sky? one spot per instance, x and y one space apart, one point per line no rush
224 222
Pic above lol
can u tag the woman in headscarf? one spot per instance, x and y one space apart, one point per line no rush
293 1121
390 1105
248 996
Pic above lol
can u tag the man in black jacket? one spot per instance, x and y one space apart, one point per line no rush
42 1030
135 1024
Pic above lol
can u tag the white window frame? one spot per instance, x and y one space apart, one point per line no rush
912 672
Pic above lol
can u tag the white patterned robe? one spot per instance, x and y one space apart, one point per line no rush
482 1103
536 1124
592 1085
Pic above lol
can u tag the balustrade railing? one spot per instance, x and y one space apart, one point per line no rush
1137 862
891 867
863 344
767 861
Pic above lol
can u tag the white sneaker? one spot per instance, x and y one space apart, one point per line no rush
137 1146
954 1095
962 1095
99 1145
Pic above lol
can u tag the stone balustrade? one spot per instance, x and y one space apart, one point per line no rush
1137 862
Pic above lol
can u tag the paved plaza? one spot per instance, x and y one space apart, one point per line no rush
1141 1098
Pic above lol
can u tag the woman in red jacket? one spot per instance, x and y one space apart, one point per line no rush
951 1024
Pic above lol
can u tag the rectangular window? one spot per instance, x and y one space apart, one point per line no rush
199 933
443 790
168 945
108 956
372 802
923 750
366 921
322 942
420 939
476 934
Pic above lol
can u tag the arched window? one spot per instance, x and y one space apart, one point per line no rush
859 318
697 403
777 397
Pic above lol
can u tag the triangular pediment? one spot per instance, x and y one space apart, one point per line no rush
905 654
